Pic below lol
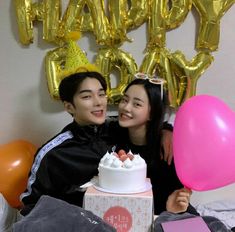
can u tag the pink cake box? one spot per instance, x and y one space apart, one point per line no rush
125 212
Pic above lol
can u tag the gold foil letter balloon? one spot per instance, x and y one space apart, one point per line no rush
188 73
211 11
110 58
161 19
181 75
48 11
95 20
118 16
150 61
178 12
137 14
157 61
73 18
54 62
24 15
51 19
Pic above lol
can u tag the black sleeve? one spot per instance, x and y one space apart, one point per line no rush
192 210
38 184
167 126
117 134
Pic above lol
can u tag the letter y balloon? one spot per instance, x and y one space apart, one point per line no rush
204 143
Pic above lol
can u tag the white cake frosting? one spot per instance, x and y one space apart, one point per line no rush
122 175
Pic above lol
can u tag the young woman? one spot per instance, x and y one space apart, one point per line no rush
140 113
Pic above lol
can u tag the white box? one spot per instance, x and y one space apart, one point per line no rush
126 212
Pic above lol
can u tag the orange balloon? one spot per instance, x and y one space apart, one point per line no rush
16 159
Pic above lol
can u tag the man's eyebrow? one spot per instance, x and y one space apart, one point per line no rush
85 91
89 91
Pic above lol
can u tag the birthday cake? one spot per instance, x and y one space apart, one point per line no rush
122 172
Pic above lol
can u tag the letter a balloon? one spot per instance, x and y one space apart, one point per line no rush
204 143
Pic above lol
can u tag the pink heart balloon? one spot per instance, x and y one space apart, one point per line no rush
204 143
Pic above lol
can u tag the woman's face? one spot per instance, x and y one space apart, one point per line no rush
134 108
89 103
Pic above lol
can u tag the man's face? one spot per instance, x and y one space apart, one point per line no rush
89 103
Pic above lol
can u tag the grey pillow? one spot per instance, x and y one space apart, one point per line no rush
54 215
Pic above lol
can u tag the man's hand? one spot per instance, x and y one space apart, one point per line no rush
178 201
167 146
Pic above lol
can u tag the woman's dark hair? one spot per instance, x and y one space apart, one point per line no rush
154 126
70 84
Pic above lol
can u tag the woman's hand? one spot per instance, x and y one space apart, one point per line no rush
178 201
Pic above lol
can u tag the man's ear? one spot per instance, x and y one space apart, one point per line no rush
69 107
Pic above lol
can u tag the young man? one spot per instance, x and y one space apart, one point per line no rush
71 158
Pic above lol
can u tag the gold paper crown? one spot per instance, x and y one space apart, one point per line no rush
76 60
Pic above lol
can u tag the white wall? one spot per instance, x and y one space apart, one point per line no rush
28 111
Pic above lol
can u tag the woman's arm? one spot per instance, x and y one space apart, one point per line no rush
167 135
166 146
